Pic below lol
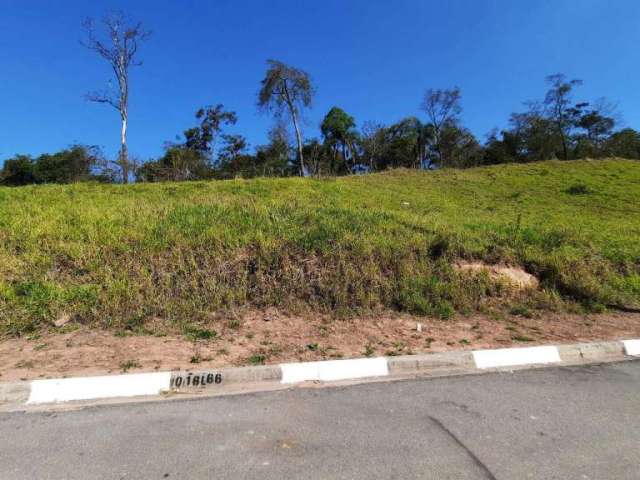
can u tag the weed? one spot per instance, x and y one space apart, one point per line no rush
521 338
68 328
369 350
128 365
522 311
257 359
579 189
323 330
194 332
275 350
444 310
197 358
233 324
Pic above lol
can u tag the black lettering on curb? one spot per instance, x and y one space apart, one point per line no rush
197 380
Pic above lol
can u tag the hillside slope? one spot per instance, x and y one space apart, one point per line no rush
115 255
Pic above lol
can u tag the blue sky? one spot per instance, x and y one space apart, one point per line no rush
372 58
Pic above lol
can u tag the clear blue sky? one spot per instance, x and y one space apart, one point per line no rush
373 58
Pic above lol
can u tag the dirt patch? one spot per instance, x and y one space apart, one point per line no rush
270 337
514 276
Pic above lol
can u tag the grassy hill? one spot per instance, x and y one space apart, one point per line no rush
115 255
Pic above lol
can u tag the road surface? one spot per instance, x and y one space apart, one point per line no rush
555 423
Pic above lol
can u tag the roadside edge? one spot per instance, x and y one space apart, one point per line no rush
19 395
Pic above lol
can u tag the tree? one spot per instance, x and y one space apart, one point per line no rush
460 147
178 163
77 163
285 88
560 111
597 123
338 130
119 49
191 159
533 136
624 144
274 158
408 143
442 108
233 146
400 144
203 137
372 143
233 159
497 150
18 171
319 159
74 164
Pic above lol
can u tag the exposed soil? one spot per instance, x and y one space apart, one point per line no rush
514 276
271 337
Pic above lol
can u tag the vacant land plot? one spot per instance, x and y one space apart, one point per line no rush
180 255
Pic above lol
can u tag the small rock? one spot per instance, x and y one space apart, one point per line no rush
62 320
270 314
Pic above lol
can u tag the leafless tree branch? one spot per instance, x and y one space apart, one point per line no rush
119 47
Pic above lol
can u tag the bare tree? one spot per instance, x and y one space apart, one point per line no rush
119 48
287 88
372 141
442 108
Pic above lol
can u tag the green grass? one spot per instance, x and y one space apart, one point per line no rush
115 255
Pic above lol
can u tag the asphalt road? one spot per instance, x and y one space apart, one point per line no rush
556 423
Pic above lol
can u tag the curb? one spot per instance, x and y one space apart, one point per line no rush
60 390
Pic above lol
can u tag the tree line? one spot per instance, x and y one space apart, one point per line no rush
557 126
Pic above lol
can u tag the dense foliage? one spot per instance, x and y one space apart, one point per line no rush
555 127
75 164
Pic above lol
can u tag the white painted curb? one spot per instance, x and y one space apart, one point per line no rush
88 388
141 384
333 370
632 347
511 357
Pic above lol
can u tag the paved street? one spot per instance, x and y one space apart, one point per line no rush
556 423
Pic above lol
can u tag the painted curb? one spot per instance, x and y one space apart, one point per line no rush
632 347
334 370
514 357
90 388
61 390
